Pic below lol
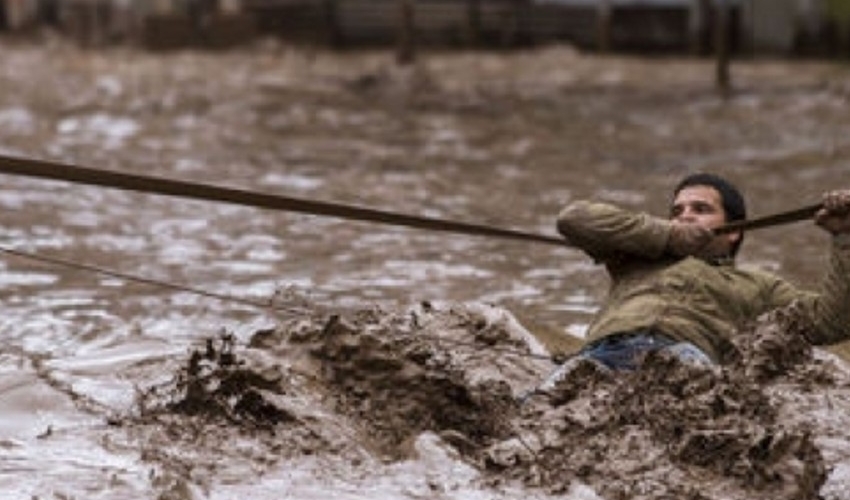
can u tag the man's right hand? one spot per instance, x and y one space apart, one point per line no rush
688 239
835 214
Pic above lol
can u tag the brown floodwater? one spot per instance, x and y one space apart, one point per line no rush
504 139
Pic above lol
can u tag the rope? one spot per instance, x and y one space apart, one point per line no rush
795 215
52 170
158 185
267 306
58 261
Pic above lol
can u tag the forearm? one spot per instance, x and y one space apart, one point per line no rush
831 309
604 231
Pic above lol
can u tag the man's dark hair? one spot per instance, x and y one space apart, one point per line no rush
730 197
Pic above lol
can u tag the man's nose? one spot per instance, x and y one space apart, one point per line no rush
686 215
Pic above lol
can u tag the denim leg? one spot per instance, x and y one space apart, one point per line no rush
688 353
624 354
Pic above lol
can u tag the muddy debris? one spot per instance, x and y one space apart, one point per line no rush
672 430
216 385
399 386
384 378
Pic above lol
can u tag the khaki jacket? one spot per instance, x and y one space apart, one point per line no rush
688 298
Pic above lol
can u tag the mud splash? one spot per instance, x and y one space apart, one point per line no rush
676 431
369 384
216 386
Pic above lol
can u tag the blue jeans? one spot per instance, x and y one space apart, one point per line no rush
626 351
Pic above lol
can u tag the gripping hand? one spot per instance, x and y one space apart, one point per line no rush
688 239
835 214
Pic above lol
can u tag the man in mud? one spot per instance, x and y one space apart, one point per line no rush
674 286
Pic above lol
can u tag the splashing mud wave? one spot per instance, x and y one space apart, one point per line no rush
374 388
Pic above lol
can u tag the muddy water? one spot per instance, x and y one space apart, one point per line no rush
496 139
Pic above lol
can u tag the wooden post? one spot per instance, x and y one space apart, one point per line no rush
473 11
332 31
406 38
524 32
513 30
603 26
721 40
838 15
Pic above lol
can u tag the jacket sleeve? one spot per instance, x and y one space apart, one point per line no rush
606 232
829 308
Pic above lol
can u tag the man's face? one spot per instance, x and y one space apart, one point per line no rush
703 205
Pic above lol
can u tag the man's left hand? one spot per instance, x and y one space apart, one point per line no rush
835 214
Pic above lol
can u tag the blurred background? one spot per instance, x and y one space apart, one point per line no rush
787 27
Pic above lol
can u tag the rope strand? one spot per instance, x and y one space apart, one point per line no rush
266 306
58 261
45 169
